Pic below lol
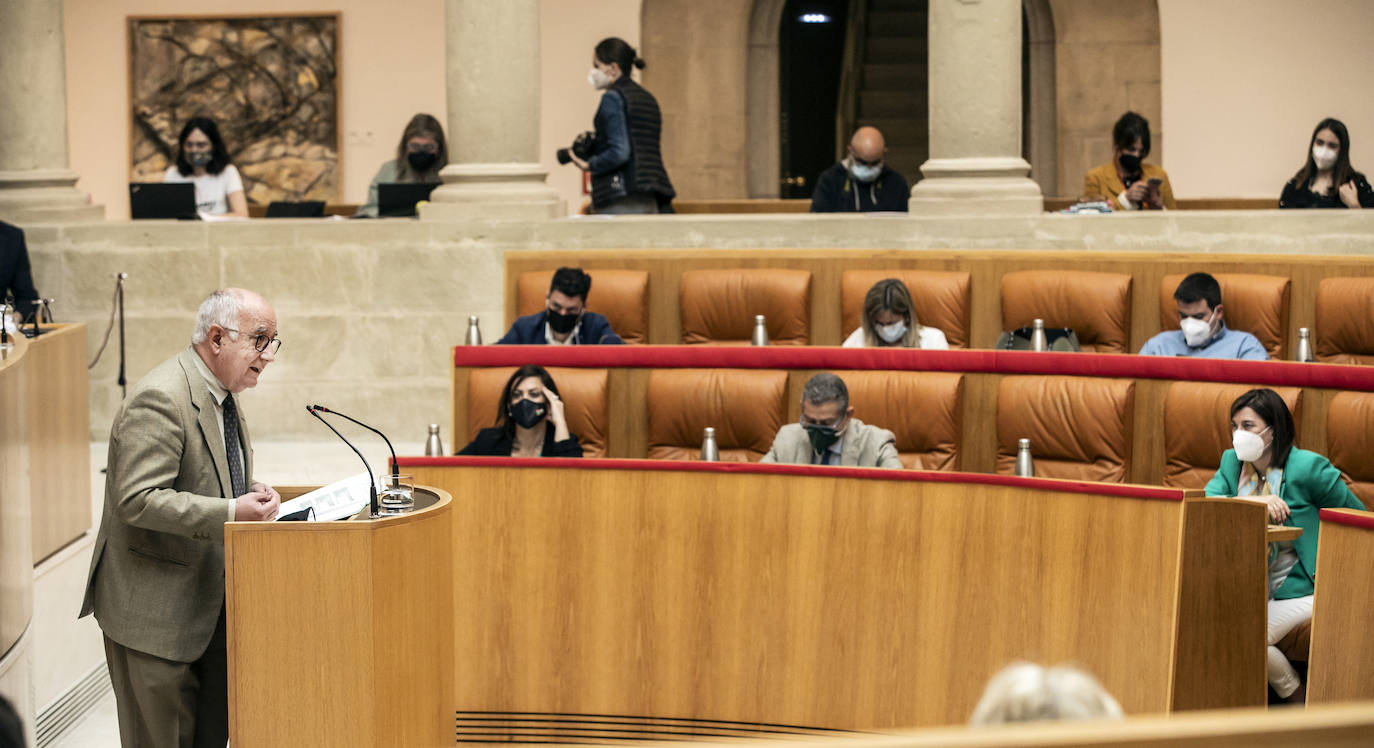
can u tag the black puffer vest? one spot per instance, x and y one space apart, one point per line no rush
644 171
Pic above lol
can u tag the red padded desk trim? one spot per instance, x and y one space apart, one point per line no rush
1348 517
923 476
1274 373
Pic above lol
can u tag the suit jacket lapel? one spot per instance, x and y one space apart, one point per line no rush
204 403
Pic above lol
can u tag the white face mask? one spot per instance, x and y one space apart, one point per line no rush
597 78
865 173
1248 445
891 333
1196 331
1324 157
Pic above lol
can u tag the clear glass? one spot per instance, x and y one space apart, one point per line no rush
398 494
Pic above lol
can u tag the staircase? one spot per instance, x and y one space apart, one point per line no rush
892 86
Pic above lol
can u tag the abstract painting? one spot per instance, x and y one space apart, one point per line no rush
269 82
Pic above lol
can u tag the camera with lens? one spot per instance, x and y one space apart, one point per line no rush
581 147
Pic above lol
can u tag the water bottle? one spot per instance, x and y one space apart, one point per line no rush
474 332
709 451
1025 466
760 331
1304 346
1038 341
433 447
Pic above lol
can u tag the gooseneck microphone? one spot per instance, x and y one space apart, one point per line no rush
371 484
395 469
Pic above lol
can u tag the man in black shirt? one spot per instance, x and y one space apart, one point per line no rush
15 277
861 183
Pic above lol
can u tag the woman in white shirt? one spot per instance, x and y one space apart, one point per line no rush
889 321
203 161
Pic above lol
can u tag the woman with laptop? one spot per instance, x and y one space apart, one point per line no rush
419 157
203 161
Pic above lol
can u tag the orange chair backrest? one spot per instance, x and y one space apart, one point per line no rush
1079 427
1350 442
746 407
584 395
1197 427
941 300
1257 304
621 296
1345 321
718 306
924 409
1096 306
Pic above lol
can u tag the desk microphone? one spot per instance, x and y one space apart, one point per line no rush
371 483
395 469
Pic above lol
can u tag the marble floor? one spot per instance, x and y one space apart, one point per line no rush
278 463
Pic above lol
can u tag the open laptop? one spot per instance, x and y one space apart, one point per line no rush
162 200
396 199
300 209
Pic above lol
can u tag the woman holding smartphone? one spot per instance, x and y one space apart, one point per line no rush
1128 183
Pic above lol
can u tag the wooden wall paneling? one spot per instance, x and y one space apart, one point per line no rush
1341 662
1148 454
458 427
59 438
16 532
629 412
1222 606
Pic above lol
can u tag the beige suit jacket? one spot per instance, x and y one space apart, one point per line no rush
863 446
156 581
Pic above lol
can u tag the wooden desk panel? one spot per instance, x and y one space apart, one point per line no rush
837 599
16 556
1340 665
59 438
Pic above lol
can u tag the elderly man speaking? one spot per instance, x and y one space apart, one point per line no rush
829 434
180 466
862 182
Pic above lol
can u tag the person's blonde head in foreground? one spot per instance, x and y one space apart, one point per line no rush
1026 692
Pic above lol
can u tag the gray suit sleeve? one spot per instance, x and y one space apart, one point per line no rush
888 456
148 446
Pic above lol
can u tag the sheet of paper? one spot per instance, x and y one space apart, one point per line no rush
337 500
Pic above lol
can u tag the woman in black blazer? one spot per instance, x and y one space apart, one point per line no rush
529 421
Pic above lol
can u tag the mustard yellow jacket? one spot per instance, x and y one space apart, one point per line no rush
1103 183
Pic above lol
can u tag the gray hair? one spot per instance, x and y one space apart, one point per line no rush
219 308
826 388
1026 692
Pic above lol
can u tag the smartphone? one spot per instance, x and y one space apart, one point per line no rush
1154 183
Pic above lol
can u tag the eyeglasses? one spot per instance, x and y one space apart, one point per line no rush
261 342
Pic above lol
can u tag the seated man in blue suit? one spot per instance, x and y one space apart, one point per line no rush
565 320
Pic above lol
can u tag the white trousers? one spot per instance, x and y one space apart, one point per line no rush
1284 616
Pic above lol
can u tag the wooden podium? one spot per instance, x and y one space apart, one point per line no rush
341 633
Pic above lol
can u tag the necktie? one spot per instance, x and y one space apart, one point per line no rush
232 449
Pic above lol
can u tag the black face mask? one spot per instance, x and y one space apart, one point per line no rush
527 413
421 160
1130 164
562 323
822 437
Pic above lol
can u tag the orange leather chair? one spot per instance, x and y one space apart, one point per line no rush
941 300
745 406
924 409
621 296
1345 321
1257 304
1197 427
718 306
584 394
1350 442
1079 427
1096 306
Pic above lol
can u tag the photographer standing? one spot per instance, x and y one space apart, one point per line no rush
622 153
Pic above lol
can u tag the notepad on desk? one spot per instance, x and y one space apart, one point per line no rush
338 500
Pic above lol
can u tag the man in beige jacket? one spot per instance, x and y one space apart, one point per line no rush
829 434
180 466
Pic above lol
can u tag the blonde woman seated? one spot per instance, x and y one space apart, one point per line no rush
889 321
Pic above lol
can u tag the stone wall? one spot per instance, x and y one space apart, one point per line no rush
369 310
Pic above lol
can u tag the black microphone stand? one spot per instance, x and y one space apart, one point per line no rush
371 484
395 469
119 293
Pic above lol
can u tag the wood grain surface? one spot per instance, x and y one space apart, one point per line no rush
59 438
16 555
1340 665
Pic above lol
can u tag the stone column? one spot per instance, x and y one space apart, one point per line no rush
493 115
975 165
36 183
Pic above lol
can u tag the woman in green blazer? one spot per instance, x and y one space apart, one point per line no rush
1295 484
